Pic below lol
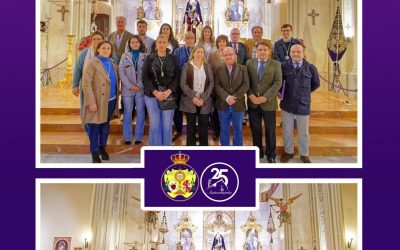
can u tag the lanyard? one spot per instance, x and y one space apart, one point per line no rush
162 64
287 49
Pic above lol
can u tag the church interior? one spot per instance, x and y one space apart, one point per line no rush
65 24
291 216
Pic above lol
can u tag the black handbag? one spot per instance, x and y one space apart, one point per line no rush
170 102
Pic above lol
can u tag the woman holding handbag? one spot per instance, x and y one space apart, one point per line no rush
100 87
197 84
160 75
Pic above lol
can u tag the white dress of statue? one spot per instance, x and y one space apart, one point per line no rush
186 241
252 240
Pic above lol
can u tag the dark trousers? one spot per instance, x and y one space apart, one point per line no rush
191 128
255 117
178 115
215 124
98 133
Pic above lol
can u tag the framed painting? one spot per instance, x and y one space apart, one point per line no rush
62 243
191 15
149 10
236 13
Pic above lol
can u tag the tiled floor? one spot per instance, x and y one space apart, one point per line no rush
115 158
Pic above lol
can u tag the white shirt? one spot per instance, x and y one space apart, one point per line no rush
199 78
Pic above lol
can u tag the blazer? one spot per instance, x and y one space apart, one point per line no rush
250 45
298 87
243 53
128 74
121 50
170 68
96 88
280 49
186 104
268 86
238 87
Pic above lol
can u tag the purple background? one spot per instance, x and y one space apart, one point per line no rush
381 89
156 161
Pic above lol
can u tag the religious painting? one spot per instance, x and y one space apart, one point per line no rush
219 230
191 15
62 243
149 10
236 12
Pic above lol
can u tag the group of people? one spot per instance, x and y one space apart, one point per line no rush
213 82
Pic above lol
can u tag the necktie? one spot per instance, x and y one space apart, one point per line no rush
297 66
260 70
235 47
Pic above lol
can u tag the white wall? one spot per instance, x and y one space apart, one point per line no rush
65 210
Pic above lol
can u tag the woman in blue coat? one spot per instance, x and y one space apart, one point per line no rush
130 69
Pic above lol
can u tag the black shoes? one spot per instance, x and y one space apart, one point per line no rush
96 157
138 142
104 155
271 159
216 135
128 142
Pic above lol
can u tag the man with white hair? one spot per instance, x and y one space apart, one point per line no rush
120 37
301 78
231 84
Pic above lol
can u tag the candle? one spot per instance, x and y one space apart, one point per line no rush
218 26
72 17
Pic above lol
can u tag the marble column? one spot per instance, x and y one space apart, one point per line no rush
334 217
109 216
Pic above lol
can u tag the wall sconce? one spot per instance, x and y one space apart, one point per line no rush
349 243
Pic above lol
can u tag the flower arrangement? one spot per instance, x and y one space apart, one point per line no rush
85 42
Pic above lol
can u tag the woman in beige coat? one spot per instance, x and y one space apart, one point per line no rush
100 88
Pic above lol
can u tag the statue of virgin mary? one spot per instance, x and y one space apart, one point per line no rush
218 242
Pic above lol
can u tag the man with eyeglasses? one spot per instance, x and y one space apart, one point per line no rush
239 47
283 45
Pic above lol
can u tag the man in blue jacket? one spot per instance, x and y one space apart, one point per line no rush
301 79
283 45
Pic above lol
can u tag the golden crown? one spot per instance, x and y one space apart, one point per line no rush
180 158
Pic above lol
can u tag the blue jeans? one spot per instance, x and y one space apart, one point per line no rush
98 133
160 123
129 102
227 117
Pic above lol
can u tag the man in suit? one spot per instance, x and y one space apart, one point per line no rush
257 34
120 37
265 77
231 84
283 45
301 79
240 48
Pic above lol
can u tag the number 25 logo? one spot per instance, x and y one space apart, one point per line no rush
219 174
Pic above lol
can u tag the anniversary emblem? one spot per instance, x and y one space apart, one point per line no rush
179 181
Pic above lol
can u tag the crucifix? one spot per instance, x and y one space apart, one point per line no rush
313 14
63 10
348 26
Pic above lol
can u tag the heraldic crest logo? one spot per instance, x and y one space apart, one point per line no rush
179 181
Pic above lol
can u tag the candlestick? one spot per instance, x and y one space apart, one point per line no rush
72 17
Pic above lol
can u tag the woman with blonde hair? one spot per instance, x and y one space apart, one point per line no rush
207 40
197 83
160 76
